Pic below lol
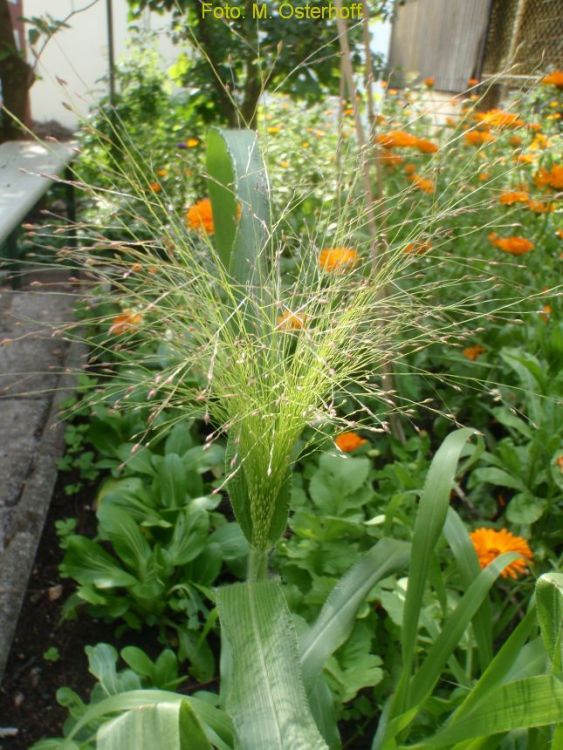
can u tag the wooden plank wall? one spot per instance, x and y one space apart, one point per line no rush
439 38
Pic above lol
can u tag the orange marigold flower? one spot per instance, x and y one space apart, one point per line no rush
472 352
389 159
534 126
155 187
136 267
418 248
472 82
429 82
338 258
512 245
483 176
556 177
554 79
349 441
397 139
450 122
498 118
490 543
477 137
515 140
200 216
545 312
513 196
409 168
422 183
426 146
524 158
540 207
290 321
542 177
162 172
125 322
559 233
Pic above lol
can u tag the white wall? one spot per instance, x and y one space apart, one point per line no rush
79 55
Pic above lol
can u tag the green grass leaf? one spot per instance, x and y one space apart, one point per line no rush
533 702
549 600
336 618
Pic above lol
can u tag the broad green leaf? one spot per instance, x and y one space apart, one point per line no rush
549 601
468 565
336 618
173 726
266 698
533 702
214 722
238 183
88 563
525 509
499 478
124 534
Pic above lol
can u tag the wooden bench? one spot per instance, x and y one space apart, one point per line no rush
27 171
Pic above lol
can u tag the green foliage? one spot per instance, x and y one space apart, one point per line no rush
226 72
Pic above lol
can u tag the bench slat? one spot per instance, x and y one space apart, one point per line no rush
23 166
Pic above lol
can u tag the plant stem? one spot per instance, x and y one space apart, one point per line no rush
257 564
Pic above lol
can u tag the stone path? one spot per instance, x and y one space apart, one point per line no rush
35 374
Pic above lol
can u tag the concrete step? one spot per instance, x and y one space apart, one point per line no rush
37 371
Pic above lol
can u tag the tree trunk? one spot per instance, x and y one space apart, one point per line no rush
16 77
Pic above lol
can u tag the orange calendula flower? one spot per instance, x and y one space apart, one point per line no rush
429 82
498 118
418 248
349 441
125 322
524 158
472 352
550 177
545 312
472 82
490 543
512 245
338 258
559 233
422 183
426 146
409 168
289 321
450 122
541 207
397 139
515 141
554 79
162 172
513 196
477 137
389 159
155 187
484 176
199 217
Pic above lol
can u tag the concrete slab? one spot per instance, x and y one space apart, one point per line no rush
33 364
